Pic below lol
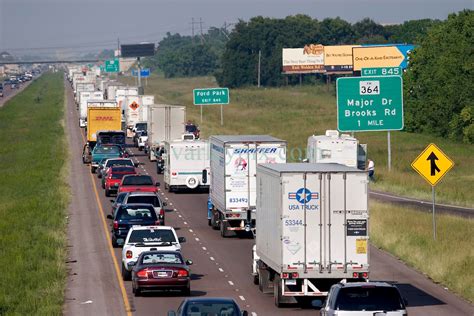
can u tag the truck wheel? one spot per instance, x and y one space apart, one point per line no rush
223 228
214 224
255 279
92 169
277 291
209 221
107 192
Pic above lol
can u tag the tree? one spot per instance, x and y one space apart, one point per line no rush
439 90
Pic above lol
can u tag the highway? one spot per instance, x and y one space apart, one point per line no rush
8 92
221 267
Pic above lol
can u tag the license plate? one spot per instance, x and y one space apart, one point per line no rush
160 274
290 282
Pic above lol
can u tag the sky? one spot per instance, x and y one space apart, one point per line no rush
62 26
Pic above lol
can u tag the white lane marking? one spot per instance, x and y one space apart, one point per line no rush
190 230
185 223
231 283
166 198
242 298
212 258
204 248
179 216
197 239
86 302
171 204
253 314
221 270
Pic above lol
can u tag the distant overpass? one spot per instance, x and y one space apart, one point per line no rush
77 61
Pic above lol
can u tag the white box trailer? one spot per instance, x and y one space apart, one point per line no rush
165 123
112 87
186 164
83 87
147 100
234 162
312 228
336 148
132 113
84 98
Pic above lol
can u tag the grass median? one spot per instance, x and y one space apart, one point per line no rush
408 234
34 200
295 113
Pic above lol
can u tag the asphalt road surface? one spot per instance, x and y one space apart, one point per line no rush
221 267
8 92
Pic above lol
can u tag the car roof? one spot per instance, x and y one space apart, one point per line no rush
140 193
210 299
154 227
137 205
365 284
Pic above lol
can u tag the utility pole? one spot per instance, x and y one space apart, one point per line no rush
192 27
259 63
200 25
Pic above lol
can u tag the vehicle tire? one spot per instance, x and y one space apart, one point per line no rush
103 185
137 291
209 222
263 281
187 291
99 175
114 243
223 228
277 291
107 192
126 275
255 279
214 224
92 169
140 148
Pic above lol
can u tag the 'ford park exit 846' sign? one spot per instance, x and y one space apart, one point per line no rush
369 104
211 96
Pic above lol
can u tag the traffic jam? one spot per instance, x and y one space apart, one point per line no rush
309 220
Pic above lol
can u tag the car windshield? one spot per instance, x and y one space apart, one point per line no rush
139 213
191 128
154 258
368 299
107 150
119 162
140 126
152 235
144 199
138 180
209 308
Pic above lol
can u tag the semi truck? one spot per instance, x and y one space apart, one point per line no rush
165 123
312 229
186 164
233 164
336 148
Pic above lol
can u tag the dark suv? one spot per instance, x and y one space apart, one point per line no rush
127 216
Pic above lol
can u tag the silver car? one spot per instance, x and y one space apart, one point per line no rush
363 298
147 198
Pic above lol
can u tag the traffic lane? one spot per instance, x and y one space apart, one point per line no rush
92 288
207 279
424 295
233 255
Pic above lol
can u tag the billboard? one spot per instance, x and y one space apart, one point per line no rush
338 59
137 50
309 59
380 56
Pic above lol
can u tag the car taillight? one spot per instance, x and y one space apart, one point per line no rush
182 273
173 173
286 275
365 275
162 212
129 254
157 222
115 224
142 274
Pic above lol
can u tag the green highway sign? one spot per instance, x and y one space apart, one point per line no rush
382 71
211 96
112 65
369 104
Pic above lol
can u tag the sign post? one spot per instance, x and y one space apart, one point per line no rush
432 164
210 96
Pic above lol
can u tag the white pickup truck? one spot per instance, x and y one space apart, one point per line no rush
147 238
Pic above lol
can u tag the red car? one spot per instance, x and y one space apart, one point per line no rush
137 182
114 176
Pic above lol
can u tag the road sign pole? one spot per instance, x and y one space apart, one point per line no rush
222 115
139 73
389 147
201 114
434 217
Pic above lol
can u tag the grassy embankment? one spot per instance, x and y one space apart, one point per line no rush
34 199
294 113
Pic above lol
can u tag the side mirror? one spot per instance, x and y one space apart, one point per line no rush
189 262
112 201
157 184
204 176
136 164
317 303
110 216
132 263
171 313
181 239
165 203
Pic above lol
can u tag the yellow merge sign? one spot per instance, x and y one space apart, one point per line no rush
432 164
